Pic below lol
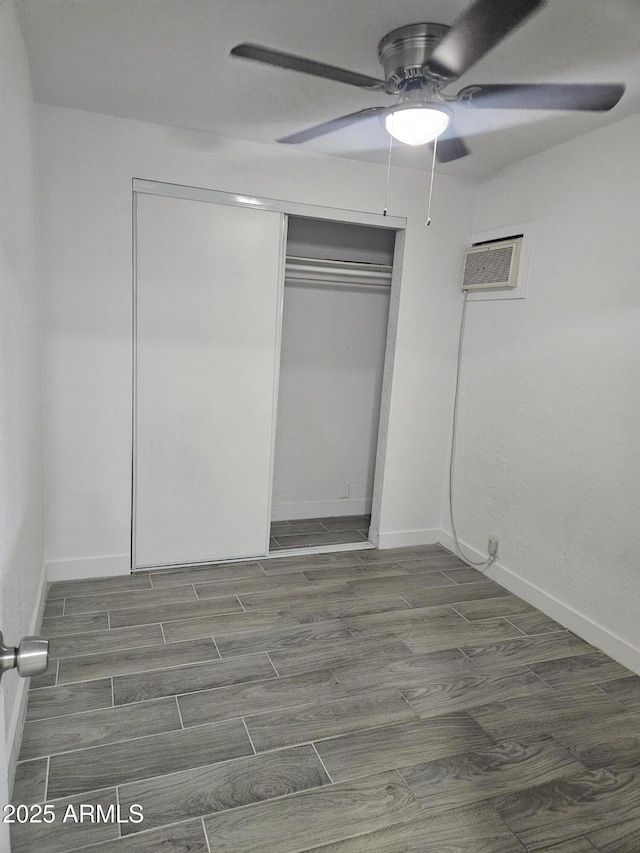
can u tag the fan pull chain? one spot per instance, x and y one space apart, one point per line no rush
433 170
386 192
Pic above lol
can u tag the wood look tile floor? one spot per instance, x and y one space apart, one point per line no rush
381 701
316 532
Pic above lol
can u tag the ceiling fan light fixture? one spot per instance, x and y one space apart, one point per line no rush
416 124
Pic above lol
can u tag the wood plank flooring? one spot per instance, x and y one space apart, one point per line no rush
392 701
316 532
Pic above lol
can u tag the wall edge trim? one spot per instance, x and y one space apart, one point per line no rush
80 568
407 538
319 509
588 629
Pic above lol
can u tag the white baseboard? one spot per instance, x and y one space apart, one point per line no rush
88 567
319 509
598 635
16 723
406 538
446 540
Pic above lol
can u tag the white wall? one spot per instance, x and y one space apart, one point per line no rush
424 363
549 458
332 360
20 418
87 162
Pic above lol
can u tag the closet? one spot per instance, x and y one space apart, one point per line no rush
334 329
247 391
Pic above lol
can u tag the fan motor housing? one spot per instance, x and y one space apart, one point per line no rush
404 52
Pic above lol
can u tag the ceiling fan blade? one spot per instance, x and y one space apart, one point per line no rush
451 147
543 96
331 126
476 32
258 53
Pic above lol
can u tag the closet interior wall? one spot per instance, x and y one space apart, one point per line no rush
332 361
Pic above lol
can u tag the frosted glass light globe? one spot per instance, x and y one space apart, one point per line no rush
416 125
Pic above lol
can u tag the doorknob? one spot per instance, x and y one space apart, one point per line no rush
31 657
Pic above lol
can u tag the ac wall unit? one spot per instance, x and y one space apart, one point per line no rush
493 265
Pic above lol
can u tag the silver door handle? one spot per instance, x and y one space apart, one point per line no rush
31 657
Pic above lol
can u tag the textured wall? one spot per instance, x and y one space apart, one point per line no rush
548 457
333 345
20 415
332 361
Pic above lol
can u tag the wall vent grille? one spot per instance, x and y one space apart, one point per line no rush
492 266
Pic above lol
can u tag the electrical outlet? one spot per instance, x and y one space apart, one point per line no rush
345 490
492 547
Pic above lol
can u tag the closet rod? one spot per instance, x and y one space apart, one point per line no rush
320 271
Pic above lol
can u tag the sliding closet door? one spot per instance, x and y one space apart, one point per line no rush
208 289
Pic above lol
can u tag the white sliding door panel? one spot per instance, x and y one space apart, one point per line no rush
208 290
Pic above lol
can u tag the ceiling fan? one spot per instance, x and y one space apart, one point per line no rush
421 60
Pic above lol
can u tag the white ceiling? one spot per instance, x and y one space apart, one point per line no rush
167 62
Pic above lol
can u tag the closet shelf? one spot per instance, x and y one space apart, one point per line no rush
321 271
